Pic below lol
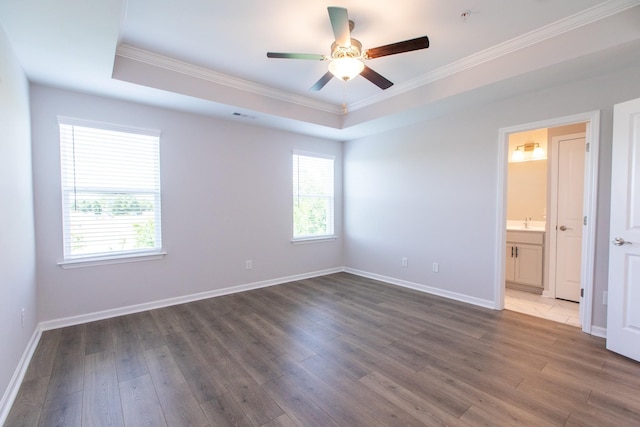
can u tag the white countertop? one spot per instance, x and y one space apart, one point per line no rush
522 228
536 226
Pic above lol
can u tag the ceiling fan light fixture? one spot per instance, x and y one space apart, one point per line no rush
346 68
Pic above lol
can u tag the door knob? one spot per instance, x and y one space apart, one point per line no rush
564 228
619 241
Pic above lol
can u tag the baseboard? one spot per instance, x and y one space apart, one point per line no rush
599 331
595 330
547 294
106 314
423 288
18 375
534 290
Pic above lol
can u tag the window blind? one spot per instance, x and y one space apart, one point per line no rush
313 196
110 189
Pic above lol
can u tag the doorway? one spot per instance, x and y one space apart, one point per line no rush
545 186
557 127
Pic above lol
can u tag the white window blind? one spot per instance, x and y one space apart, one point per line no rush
313 201
110 190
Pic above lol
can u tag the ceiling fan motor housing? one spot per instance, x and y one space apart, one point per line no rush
353 51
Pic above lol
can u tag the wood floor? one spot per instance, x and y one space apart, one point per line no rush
338 350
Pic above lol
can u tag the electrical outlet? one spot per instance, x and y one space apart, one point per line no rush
605 297
405 262
22 317
435 267
248 264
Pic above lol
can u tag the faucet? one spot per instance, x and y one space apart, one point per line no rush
526 222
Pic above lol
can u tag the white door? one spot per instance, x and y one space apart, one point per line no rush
571 153
623 314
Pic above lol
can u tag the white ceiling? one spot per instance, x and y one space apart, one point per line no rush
209 56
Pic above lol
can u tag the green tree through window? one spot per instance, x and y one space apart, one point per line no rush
111 190
313 199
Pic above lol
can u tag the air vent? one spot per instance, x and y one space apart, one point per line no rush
244 116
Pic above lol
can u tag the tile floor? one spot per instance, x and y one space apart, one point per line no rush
536 305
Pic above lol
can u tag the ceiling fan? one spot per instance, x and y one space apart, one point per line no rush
347 54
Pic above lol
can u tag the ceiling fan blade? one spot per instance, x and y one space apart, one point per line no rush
400 47
296 56
376 78
323 81
340 24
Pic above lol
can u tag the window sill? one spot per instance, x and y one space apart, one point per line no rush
307 240
114 259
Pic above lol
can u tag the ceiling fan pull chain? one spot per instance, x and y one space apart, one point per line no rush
344 97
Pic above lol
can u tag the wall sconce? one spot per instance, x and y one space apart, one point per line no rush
528 151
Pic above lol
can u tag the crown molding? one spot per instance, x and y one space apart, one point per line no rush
538 35
172 64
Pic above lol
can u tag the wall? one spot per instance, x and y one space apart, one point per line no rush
565 130
428 192
226 198
17 252
527 180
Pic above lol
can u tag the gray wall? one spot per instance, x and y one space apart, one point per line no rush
226 198
17 252
428 192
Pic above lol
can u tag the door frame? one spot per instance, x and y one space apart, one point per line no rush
552 212
592 120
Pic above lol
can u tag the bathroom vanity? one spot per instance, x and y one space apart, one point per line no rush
524 259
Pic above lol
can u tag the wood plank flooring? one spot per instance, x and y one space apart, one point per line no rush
338 350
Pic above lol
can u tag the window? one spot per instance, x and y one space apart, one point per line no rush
110 190
312 196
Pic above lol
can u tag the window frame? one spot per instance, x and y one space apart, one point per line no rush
70 260
332 202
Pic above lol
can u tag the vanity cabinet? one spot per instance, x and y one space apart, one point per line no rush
524 258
